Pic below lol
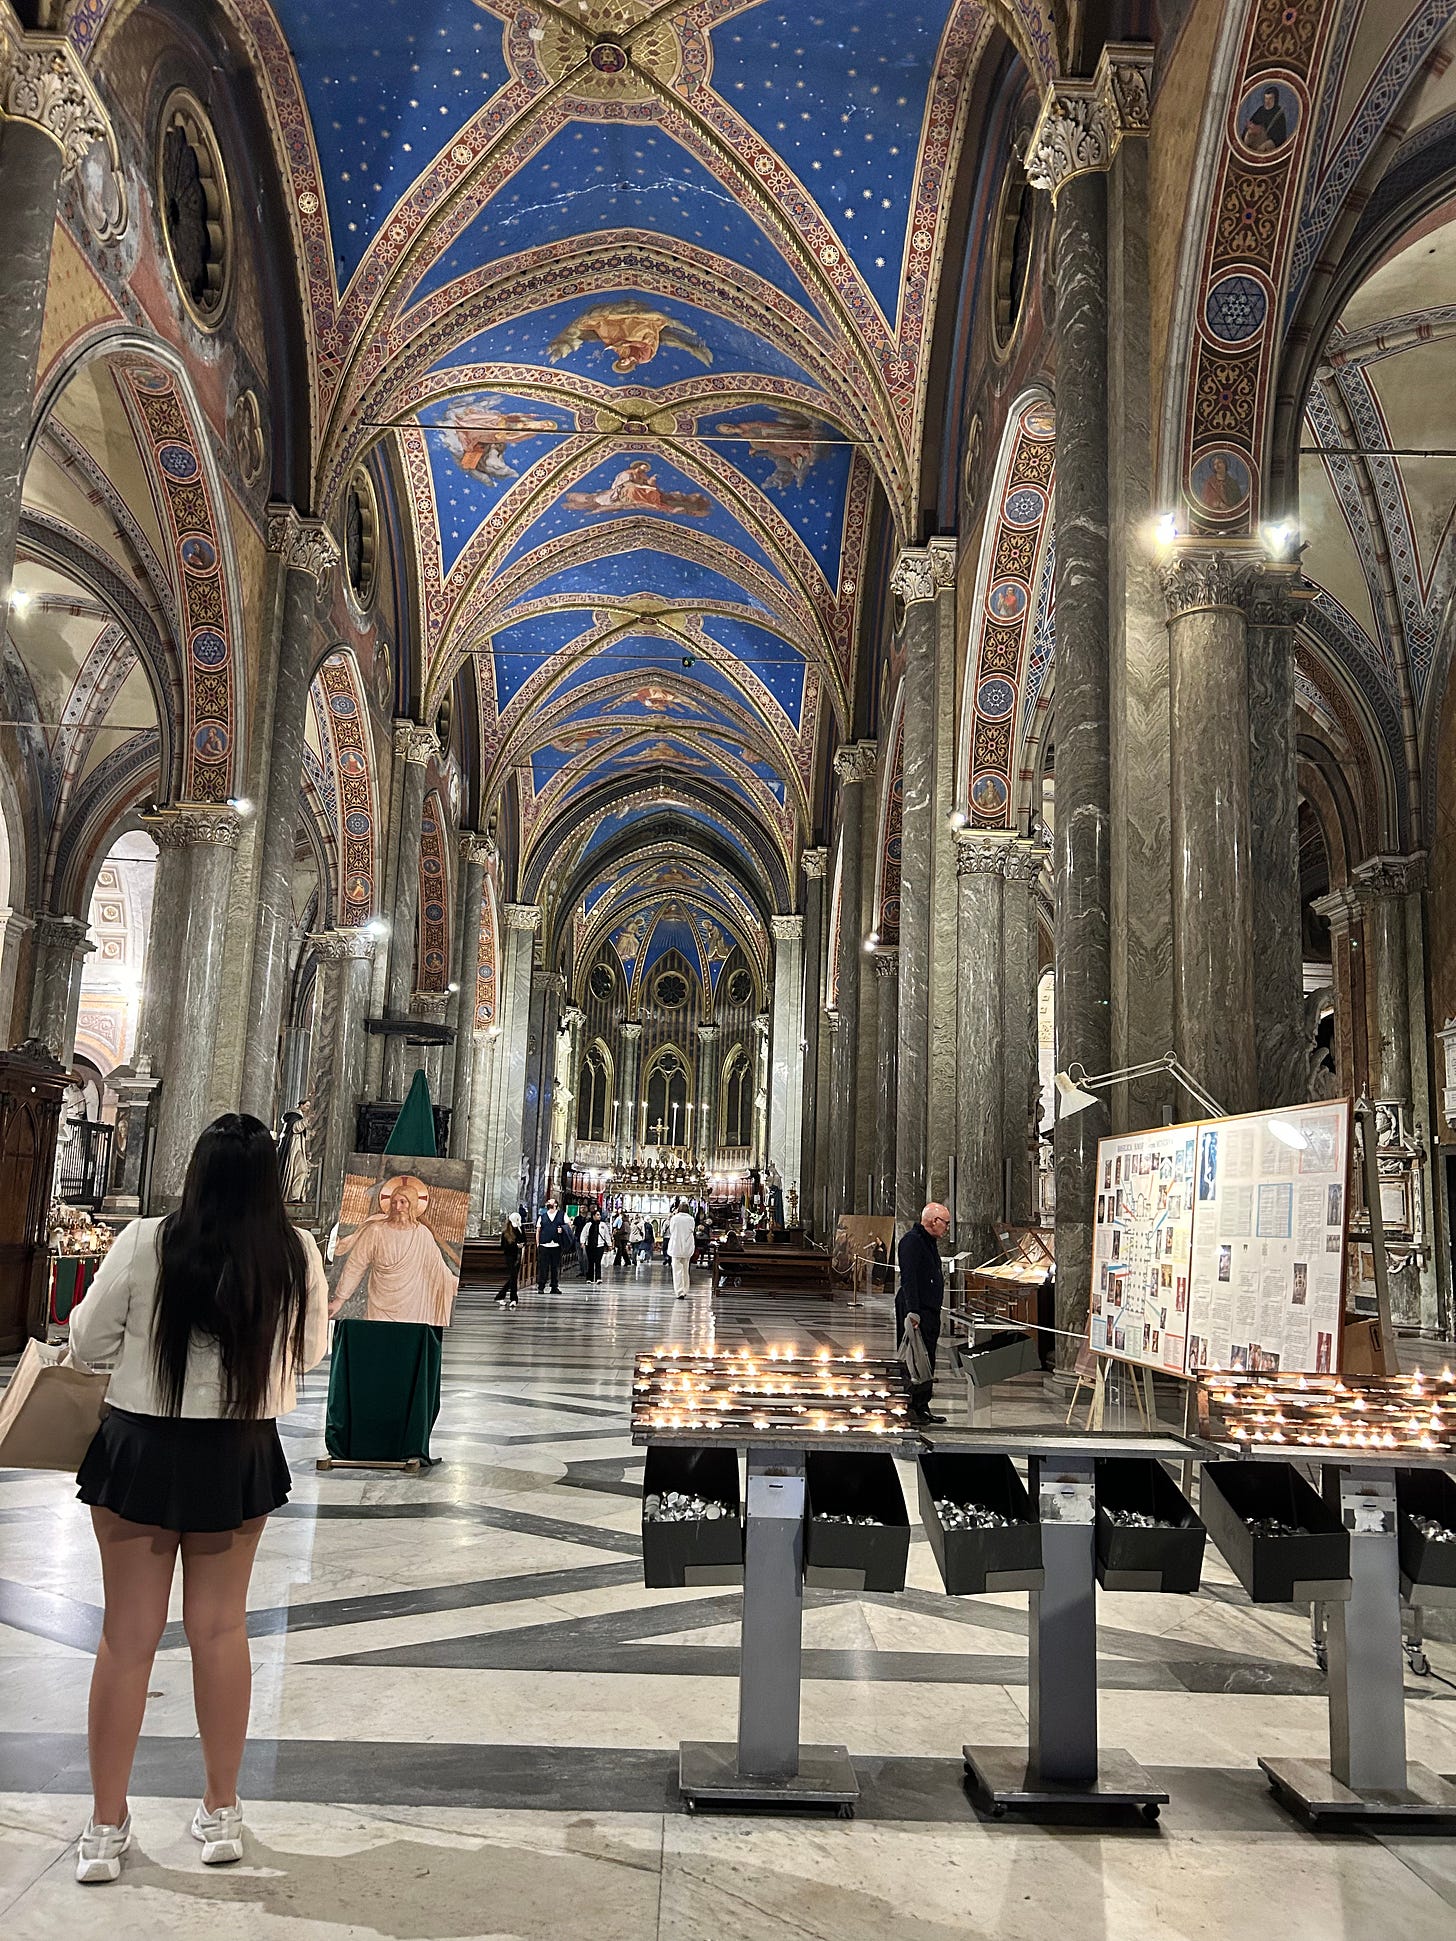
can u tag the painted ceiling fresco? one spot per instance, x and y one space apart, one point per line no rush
641 291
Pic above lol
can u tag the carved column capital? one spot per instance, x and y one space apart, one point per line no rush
1198 577
414 743
815 863
856 761
339 946
521 916
574 1016
762 1024
1026 859
785 930
304 545
475 848
1083 123
429 1007
190 824
43 81
923 572
1339 908
549 981
707 1033
886 961
1382 876
982 852
632 1032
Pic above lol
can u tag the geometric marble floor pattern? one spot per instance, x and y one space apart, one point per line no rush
467 1708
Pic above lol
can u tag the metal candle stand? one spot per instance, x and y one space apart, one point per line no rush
1062 1764
1368 1777
767 1765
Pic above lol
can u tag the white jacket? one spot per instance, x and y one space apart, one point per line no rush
114 1323
682 1236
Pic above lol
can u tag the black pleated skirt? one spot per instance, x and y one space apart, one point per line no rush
185 1473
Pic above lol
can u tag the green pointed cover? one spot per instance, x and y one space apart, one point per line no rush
414 1130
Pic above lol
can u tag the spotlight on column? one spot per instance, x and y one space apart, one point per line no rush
376 927
1281 543
452 987
1166 529
240 804
958 818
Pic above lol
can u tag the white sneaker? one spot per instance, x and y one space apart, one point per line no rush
99 1851
221 1834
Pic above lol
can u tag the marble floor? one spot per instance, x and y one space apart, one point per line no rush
467 1709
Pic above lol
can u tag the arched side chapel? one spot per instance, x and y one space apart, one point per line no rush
719 673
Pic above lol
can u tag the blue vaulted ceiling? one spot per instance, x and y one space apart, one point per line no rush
640 293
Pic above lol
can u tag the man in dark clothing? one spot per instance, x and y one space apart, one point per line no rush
922 1295
553 1236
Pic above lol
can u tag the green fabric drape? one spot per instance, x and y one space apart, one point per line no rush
384 1379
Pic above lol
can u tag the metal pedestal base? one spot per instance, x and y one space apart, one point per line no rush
708 1774
1309 1788
1004 1780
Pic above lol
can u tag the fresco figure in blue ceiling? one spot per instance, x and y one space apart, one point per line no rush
632 330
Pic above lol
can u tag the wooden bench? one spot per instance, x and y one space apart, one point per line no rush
771 1269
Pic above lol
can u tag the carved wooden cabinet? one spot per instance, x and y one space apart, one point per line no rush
31 1088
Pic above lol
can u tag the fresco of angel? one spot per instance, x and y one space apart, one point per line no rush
635 489
632 330
477 435
794 443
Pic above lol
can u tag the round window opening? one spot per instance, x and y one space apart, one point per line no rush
671 990
195 212
740 987
602 981
1015 223
361 530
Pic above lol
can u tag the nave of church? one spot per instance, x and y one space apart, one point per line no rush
818 614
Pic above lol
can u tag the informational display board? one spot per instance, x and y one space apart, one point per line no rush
1142 1246
1221 1243
1269 1241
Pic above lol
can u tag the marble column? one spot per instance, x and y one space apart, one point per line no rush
1280 1055
761 1028
508 1101
829 1208
1344 911
855 768
14 932
418 748
475 852
1140 772
707 1096
886 961
429 1007
981 857
547 990
345 961
308 553
815 863
196 848
563 1137
786 1109
1020 969
60 947
1208 587
1072 146
50 119
919 577
1384 886
629 1044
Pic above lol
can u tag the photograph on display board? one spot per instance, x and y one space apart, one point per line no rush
1142 1246
1268 1241
401 1236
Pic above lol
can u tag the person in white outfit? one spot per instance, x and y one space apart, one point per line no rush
682 1241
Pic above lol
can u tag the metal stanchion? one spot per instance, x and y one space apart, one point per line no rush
768 1765
1368 1777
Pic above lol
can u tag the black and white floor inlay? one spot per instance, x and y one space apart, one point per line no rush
467 1709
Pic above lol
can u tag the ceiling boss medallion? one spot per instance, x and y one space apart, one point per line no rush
607 51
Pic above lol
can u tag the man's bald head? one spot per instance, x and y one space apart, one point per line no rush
935 1219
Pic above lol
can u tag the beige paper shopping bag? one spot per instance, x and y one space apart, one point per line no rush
50 1411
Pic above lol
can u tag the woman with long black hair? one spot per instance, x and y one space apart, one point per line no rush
209 1315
